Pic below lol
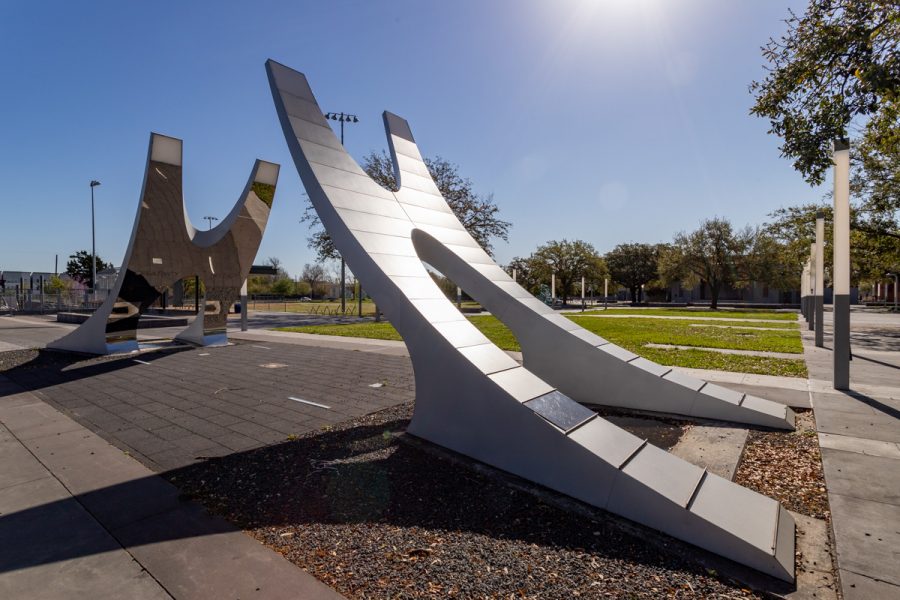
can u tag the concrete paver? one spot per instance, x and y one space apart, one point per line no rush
91 522
859 433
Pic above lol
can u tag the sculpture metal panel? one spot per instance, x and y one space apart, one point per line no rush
165 248
473 398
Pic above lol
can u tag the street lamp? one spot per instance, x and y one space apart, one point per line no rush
345 118
211 219
94 183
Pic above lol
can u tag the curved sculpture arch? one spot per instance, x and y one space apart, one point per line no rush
473 398
165 247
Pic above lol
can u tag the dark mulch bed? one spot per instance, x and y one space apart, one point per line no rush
787 466
375 517
16 358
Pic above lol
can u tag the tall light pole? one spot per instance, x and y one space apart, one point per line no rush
819 293
345 118
211 219
94 183
841 270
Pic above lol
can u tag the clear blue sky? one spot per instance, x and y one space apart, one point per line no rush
605 120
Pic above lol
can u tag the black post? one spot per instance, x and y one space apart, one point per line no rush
196 295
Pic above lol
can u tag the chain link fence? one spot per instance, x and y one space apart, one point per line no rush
42 302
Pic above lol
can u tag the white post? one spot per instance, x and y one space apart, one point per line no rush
841 268
458 297
605 292
811 294
819 290
582 294
515 273
553 289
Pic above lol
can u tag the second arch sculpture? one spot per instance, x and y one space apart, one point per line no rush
473 398
165 248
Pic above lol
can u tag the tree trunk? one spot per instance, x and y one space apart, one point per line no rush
634 297
714 293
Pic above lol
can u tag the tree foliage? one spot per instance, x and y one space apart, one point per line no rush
720 256
871 256
479 214
526 273
79 267
314 275
838 62
569 261
633 265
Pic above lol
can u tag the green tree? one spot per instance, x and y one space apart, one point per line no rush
569 261
79 267
479 214
283 287
633 265
526 273
714 255
314 275
871 256
838 62
55 285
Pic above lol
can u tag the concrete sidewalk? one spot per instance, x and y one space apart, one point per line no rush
859 434
81 519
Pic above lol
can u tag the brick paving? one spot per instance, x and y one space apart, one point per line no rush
197 403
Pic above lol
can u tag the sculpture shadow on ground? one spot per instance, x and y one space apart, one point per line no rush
363 477
47 368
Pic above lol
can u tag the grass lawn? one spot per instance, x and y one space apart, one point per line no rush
633 334
722 313
326 307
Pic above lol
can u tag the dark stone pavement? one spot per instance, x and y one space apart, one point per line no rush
188 404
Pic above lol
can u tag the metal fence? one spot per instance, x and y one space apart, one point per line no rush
42 302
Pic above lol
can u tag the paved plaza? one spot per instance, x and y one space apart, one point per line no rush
82 438
859 433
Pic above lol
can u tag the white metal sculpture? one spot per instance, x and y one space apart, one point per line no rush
165 247
473 398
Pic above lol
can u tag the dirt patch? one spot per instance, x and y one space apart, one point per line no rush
787 466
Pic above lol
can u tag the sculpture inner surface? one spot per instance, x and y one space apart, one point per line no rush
165 248
475 399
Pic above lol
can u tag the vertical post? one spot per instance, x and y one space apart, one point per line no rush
93 248
514 275
244 306
343 282
359 296
895 291
553 289
196 294
841 268
813 268
582 293
804 287
42 294
605 293
819 303
458 297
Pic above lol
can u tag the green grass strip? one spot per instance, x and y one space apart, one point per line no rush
632 334
701 313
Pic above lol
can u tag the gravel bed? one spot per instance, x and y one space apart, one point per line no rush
375 517
787 466
16 358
